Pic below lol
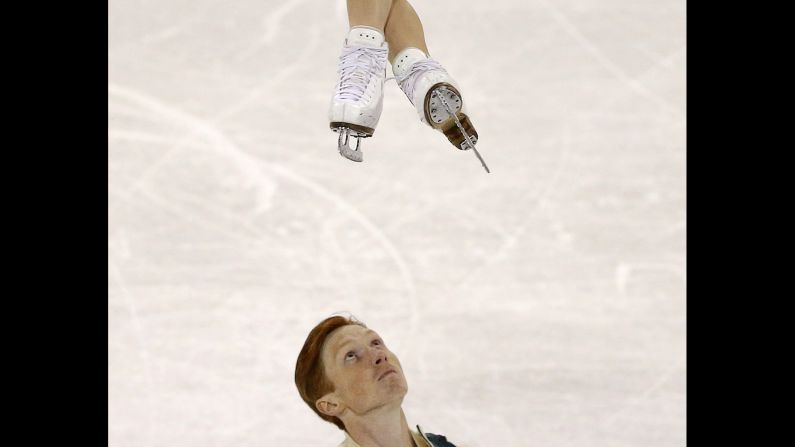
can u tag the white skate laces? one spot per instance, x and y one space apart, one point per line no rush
358 64
408 81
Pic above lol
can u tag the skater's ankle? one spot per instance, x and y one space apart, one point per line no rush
405 59
365 36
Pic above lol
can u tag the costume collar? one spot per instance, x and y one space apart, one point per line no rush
419 439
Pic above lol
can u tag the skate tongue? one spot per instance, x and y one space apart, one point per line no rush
365 36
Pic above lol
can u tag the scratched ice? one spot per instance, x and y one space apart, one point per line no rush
540 305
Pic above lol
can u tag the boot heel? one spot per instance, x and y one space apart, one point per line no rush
454 134
437 115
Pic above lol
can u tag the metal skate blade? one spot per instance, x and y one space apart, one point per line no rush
351 154
469 141
345 149
481 159
442 104
465 146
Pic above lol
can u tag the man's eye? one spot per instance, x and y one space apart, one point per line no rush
350 356
376 342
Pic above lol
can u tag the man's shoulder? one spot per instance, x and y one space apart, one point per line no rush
436 440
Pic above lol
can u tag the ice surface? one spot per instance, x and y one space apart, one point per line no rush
540 305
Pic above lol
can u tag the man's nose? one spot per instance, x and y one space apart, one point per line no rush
379 356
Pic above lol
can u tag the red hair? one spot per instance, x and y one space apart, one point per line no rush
310 374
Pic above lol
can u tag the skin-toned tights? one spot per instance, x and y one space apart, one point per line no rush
395 18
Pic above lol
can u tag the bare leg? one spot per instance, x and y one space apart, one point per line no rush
403 29
438 101
371 13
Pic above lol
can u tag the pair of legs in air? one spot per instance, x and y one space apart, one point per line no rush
391 29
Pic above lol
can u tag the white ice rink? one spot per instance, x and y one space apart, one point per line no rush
542 305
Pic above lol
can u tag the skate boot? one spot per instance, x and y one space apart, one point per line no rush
359 94
436 96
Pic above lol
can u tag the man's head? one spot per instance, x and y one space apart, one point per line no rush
346 367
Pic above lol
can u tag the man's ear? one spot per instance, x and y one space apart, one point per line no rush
329 405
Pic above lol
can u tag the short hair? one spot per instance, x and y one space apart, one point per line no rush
310 373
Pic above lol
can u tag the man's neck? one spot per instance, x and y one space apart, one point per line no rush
383 427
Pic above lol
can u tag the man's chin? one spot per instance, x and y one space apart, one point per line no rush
397 390
400 389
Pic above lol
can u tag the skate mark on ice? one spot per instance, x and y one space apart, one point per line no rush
445 198
330 235
512 238
249 165
271 23
268 84
164 34
575 33
186 140
661 380
664 62
262 184
195 15
199 219
357 216
143 351
142 137
166 229
630 22
182 213
155 165
624 271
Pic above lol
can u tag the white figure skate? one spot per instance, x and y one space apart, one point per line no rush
437 98
359 94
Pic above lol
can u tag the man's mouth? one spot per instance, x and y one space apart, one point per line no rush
391 371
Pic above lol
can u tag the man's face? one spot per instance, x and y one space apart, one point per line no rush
365 374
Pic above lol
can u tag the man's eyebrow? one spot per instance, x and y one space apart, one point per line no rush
348 341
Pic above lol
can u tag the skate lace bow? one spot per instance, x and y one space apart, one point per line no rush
357 65
408 81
